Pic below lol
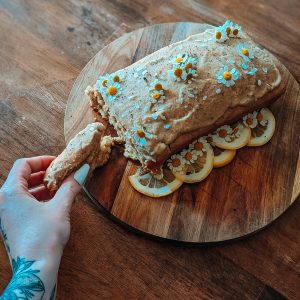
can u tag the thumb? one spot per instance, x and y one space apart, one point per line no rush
71 186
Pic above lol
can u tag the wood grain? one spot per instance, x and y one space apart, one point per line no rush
245 199
102 260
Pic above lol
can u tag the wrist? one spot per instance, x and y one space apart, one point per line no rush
41 274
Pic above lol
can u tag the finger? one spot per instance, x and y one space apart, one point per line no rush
65 195
24 167
41 193
36 179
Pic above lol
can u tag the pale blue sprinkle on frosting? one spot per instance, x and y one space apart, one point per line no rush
244 66
154 116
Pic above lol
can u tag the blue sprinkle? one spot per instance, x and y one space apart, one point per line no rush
181 100
204 98
218 91
244 66
265 70
167 126
252 71
154 116
143 142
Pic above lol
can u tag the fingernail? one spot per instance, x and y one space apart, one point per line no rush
81 174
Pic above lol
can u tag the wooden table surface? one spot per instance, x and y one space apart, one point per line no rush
44 45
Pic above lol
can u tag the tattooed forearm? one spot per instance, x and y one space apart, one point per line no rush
25 283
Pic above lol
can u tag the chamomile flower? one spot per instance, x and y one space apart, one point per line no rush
116 77
190 75
157 96
236 31
262 117
177 73
220 34
250 120
112 90
224 132
245 51
175 163
198 146
190 63
189 156
227 77
158 85
178 59
101 83
140 135
227 26
209 139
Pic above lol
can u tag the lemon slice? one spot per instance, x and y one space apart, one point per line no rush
264 129
222 157
153 185
199 168
232 137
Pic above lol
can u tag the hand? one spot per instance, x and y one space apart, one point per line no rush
34 231
34 228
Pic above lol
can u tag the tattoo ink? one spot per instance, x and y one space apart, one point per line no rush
25 284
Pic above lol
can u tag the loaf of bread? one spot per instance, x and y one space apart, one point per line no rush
163 102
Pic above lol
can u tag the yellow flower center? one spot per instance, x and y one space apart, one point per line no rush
189 76
227 75
176 162
178 59
158 86
112 90
178 72
104 82
188 156
188 66
259 117
228 30
198 146
235 31
218 35
249 121
222 133
245 52
156 96
116 78
140 133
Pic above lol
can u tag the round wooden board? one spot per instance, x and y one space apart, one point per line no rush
234 201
